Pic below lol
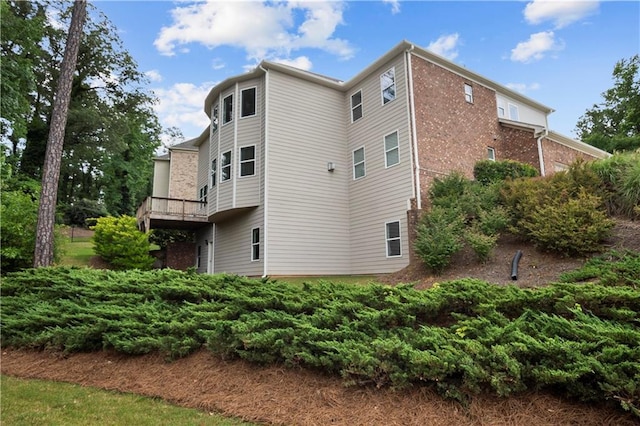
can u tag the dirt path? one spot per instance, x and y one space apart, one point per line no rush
277 395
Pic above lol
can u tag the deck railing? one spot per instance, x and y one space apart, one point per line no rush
172 209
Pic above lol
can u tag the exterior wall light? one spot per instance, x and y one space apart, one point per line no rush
331 166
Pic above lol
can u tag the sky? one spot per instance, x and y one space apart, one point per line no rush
560 53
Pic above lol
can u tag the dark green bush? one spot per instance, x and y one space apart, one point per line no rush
620 179
487 171
118 241
439 237
463 337
572 227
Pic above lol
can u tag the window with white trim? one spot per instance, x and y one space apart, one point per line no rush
468 93
358 163
248 102
394 246
501 112
225 166
214 171
247 160
391 150
388 85
204 191
198 256
214 119
513 112
255 244
227 109
491 153
356 106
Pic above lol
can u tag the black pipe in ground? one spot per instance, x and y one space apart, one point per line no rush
514 265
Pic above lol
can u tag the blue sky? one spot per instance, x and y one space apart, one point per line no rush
560 53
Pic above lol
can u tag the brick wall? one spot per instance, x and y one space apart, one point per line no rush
452 134
554 152
183 175
181 255
518 145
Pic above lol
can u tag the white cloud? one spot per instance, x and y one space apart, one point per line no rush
395 5
445 46
523 87
536 47
154 75
301 62
263 29
182 106
560 12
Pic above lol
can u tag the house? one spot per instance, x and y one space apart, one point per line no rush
306 174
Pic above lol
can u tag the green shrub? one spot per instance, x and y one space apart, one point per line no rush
439 237
571 227
487 171
620 179
481 243
118 241
464 337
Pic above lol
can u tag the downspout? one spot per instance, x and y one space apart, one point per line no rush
235 155
265 229
544 134
414 133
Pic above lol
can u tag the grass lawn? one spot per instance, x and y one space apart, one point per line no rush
36 402
77 252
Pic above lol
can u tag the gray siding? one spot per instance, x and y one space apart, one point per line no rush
203 236
308 206
382 195
249 132
233 244
203 171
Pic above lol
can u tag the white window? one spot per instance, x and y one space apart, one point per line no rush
394 246
214 119
248 103
227 109
225 166
214 171
388 85
255 244
204 191
247 160
468 93
356 106
491 153
513 112
391 150
358 163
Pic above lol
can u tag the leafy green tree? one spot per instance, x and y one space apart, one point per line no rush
19 213
20 32
614 124
118 241
110 121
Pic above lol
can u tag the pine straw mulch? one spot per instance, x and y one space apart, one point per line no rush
283 396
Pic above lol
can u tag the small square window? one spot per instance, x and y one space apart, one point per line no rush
248 160
358 163
394 246
227 109
356 106
388 86
391 150
248 105
468 93
491 153
225 166
255 244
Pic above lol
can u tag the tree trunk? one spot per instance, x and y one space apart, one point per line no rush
43 255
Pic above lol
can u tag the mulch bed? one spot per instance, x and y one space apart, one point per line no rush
284 396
